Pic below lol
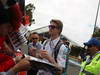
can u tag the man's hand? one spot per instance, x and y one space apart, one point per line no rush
23 65
17 59
32 51
44 54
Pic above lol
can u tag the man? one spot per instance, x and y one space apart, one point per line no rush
92 64
4 25
7 62
34 45
54 51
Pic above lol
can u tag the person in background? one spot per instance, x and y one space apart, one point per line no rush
42 38
91 66
34 45
66 42
83 53
53 50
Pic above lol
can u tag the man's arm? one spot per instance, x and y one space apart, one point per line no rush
44 54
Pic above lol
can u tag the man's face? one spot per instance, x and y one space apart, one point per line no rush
4 29
91 50
53 29
35 38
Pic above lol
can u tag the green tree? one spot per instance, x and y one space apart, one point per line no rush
29 9
97 32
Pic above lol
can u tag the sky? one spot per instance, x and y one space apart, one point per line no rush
78 16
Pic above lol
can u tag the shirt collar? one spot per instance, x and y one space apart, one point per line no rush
55 41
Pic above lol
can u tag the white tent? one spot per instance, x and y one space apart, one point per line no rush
77 15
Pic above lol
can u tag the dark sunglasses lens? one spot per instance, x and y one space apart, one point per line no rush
52 27
34 38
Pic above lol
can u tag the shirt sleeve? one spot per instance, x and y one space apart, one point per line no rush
30 46
10 72
39 46
62 56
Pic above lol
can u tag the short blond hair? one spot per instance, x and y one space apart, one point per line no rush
59 24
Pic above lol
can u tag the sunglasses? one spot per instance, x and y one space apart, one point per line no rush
34 38
52 27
